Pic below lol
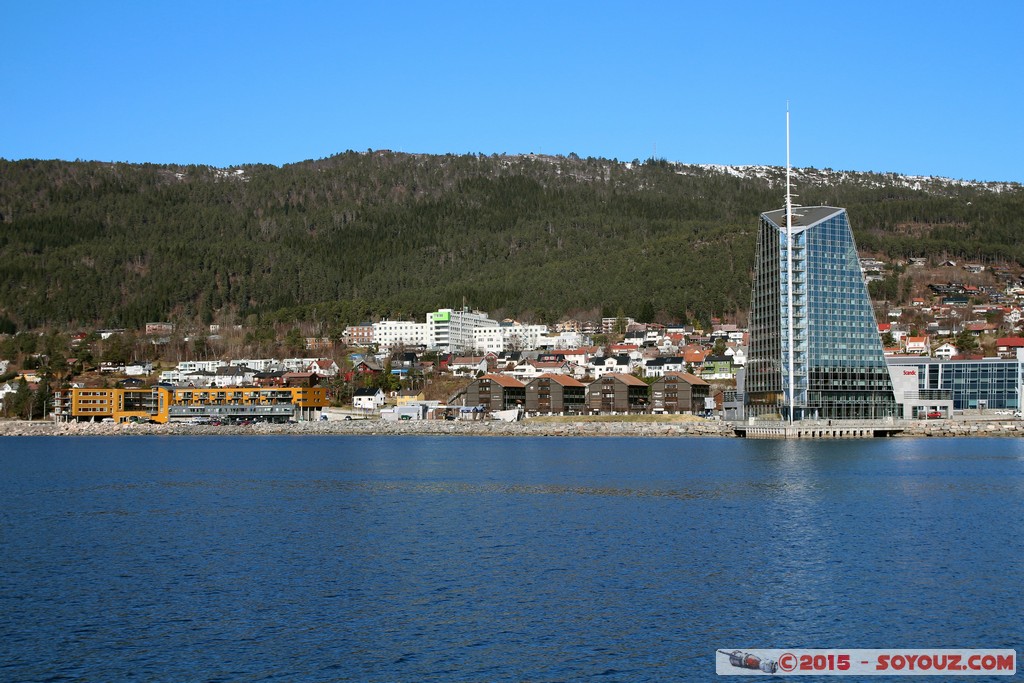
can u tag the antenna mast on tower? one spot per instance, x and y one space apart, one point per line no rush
789 270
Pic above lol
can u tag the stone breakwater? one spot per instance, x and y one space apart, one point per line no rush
930 428
378 428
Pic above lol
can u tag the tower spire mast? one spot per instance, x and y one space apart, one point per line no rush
789 270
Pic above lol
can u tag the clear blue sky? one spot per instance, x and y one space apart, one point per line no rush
918 87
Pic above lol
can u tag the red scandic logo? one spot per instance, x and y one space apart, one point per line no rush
910 372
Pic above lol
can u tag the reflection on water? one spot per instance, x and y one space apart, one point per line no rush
364 558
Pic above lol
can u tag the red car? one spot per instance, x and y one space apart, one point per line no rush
934 415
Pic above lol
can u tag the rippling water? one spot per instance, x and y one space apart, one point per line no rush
506 559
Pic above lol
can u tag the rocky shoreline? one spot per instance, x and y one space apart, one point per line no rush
930 428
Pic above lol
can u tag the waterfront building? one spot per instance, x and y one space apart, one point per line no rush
618 393
814 349
987 383
556 394
495 392
175 404
679 392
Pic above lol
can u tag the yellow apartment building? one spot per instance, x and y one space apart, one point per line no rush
181 404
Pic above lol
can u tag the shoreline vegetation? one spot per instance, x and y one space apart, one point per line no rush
623 425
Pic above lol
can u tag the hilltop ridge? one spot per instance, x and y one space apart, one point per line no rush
384 234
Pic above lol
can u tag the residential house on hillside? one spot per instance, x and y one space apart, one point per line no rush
1007 347
199 379
6 389
917 345
368 399
604 365
694 355
468 365
978 328
717 367
615 393
233 376
409 396
555 394
300 379
580 356
662 365
367 366
325 367
531 369
495 392
272 378
945 351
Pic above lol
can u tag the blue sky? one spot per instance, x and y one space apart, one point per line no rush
929 88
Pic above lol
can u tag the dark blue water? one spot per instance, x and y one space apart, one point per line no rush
478 559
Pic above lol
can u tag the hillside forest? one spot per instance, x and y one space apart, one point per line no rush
369 235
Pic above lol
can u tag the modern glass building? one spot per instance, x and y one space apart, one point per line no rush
989 383
814 349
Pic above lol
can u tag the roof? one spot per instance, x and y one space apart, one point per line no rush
564 380
692 380
1010 341
624 378
803 217
504 380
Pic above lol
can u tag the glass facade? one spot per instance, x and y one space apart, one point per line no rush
838 367
993 383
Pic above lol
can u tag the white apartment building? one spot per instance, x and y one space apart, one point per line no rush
509 337
451 331
204 365
390 334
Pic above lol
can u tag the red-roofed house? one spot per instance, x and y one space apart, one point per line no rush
1007 347
918 345
325 367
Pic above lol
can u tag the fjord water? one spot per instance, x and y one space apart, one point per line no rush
495 559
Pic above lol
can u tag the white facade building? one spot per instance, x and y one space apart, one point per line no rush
508 337
390 334
204 365
451 331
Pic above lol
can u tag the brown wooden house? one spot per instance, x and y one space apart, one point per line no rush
679 392
495 392
556 394
618 393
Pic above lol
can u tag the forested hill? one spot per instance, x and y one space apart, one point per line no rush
386 234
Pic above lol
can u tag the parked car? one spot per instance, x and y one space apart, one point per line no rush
934 415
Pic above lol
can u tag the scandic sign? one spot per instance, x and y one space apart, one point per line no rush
912 373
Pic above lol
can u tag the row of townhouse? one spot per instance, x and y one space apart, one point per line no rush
614 393
224 373
584 365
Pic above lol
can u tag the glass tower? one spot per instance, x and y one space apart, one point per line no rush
815 352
